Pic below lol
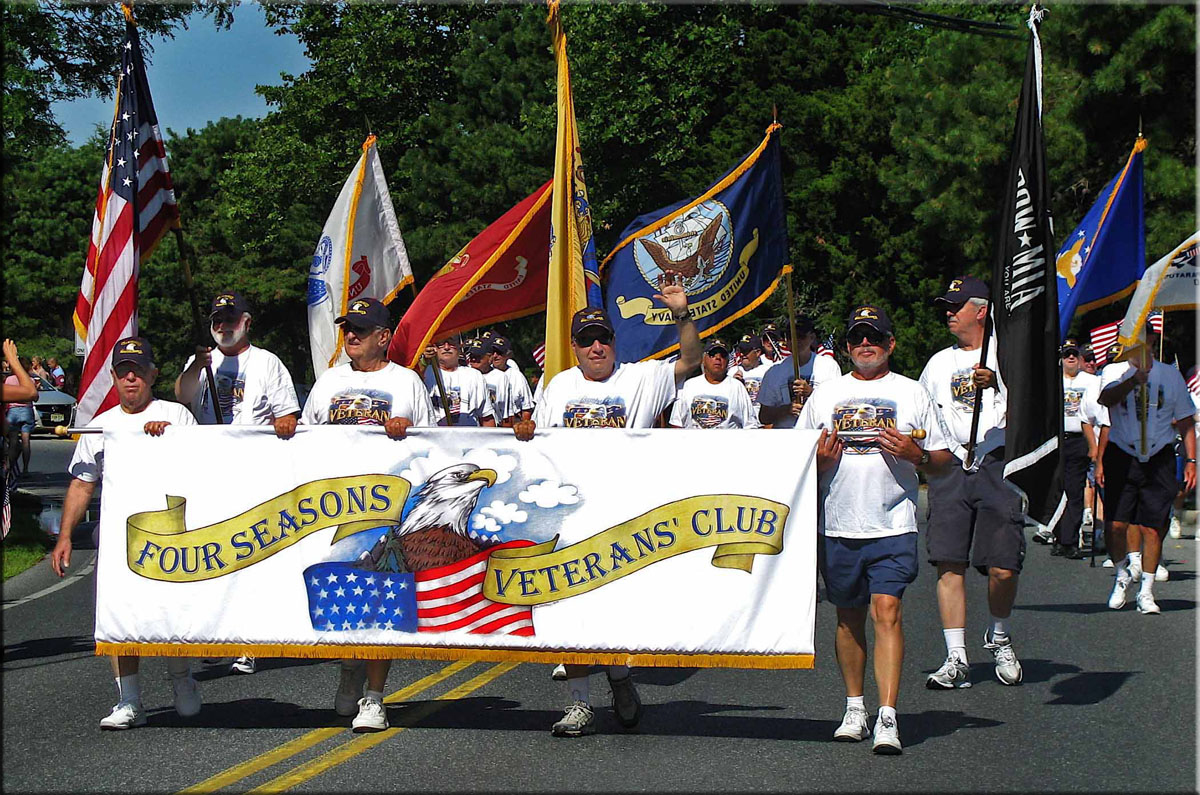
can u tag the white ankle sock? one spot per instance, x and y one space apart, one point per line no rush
1147 583
999 629
376 695
1122 569
129 689
577 686
1135 557
956 642
855 702
887 712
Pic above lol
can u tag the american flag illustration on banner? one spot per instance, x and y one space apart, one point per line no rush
135 206
344 596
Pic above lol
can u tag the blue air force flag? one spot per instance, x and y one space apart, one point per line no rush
730 246
1104 257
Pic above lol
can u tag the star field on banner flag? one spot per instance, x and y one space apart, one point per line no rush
135 206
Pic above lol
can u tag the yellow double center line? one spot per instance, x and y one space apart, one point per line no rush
360 743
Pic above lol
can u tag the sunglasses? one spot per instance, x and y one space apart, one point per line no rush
872 336
359 331
589 338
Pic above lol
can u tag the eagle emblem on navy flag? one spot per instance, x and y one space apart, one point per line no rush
695 246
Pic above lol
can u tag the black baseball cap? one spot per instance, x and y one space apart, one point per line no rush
591 317
804 324
962 288
229 302
749 342
475 348
134 350
715 344
501 345
366 313
769 331
1070 345
1089 355
869 315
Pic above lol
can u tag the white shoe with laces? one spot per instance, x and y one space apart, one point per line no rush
1008 668
1176 530
372 717
1135 570
953 674
854 726
1161 574
246 664
887 736
1146 604
125 715
576 722
1119 595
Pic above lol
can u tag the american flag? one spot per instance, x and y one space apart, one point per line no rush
1193 383
826 348
135 206
1103 337
343 597
539 355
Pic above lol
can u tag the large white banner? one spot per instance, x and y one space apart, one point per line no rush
360 255
664 547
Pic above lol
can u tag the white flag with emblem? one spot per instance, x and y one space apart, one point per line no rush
360 255
1169 284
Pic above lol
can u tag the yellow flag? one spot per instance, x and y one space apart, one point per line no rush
572 250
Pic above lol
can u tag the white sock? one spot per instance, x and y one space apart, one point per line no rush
1135 557
887 712
1122 569
577 686
1147 583
999 629
618 671
129 689
375 695
855 702
956 642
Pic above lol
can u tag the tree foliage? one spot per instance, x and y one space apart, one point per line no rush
896 141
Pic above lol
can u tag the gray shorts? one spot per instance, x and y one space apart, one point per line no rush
975 517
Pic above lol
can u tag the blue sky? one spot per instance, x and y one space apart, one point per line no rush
201 75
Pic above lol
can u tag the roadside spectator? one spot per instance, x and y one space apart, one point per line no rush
18 414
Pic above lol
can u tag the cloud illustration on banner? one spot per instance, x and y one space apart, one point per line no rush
549 494
492 517
419 469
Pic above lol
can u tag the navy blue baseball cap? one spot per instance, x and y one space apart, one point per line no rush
590 317
229 303
501 345
962 288
716 344
133 350
872 316
366 313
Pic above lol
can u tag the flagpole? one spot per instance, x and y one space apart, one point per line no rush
437 372
791 303
983 352
185 253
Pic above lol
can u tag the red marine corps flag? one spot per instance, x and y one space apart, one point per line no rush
135 206
1025 308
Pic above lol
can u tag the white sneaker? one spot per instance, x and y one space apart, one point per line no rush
1087 516
1107 564
1176 530
124 715
578 721
372 717
854 726
1161 574
1135 571
1008 668
887 736
246 664
1146 604
1116 600
351 680
1043 535
953 674
187 695
559 674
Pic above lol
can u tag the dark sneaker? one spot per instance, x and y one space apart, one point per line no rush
626 703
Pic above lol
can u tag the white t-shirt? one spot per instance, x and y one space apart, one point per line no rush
345 396
631 397
948 379
702 404
1080 404
773 391
870 494
500 393
1169 402
752 378
467 392
87 464
522 396
254 388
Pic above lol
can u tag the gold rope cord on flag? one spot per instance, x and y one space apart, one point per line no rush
353 214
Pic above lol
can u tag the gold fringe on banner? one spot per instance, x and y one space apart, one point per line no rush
632 659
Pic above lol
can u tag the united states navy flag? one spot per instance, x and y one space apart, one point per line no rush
730 245
1105 256
1025 312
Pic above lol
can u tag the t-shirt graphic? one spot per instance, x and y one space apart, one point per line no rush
453 395
867 414
962 389
1072 400
360 407
230 392
492 393
609 413
752 385
709 411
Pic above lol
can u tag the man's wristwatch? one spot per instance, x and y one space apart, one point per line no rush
924 458
1189 460
682 316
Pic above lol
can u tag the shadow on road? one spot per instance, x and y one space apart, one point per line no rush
38 648
1090 608
1089 687
916 729
204 672
251 713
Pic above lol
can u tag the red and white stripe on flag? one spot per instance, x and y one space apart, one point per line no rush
1193 383
539 355
451 598
135 206
1103 337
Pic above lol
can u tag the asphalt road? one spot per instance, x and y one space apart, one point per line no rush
1108 703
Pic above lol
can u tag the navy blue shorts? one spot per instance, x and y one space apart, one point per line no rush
856 568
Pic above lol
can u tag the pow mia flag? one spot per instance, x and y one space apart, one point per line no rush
1025 308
